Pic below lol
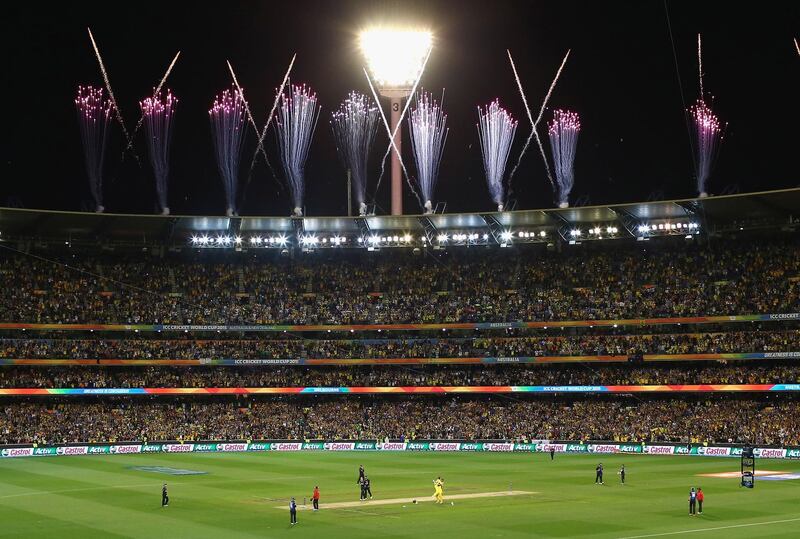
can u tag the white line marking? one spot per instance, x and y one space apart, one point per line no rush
701 530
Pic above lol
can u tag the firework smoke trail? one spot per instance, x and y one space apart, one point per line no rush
354 126
158 112
700 64
534 132
707 135
392 145
427 127
278 95
297 120
227 125
117 112
155 93
397 127
94 112
496 130
563 131
259 146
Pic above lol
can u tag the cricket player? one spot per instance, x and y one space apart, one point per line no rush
700 498
692 502
293 511
438 490
598 474
164 496
622 474
366 486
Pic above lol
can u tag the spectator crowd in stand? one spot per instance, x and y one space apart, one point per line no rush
712 419
475 285
413 347
523 285
440 375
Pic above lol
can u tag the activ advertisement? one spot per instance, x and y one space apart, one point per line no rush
537 446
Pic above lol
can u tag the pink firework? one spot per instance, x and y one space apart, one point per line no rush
563 131
707 136
94 112
158 112
227 125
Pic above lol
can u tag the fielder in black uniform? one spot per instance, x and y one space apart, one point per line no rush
367 491
360 481
598 474
622 474
164 497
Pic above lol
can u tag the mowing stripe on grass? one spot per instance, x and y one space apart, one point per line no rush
48 492
701 530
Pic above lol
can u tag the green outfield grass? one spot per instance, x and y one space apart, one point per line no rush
239 496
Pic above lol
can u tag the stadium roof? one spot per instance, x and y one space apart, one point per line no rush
763 209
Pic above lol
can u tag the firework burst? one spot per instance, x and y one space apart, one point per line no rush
227 116
297 120
427 122
94 111
496 130
354 125
563 131
706 139
158 112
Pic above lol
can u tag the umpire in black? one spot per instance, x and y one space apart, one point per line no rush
293 511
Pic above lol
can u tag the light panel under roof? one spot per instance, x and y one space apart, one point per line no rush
266 224
457 220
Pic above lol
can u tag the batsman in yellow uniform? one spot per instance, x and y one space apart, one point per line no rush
438 490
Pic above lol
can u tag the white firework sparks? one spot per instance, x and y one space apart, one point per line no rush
496 130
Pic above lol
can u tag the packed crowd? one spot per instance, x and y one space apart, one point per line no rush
414 347
757 421
444 375
354 288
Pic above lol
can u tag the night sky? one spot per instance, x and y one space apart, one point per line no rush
621 77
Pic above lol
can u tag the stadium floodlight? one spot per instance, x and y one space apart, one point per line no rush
506 235
441 238
395 59
542 233
237 240
574 232
643 229
485 237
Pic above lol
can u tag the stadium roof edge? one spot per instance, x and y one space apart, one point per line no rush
771 208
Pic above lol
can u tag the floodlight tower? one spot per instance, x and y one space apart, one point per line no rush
395 59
